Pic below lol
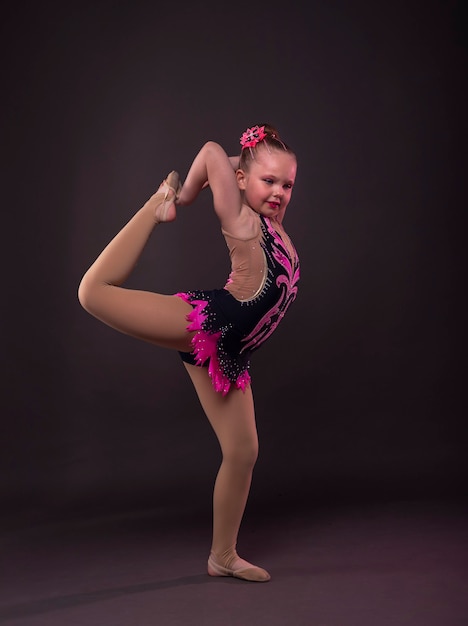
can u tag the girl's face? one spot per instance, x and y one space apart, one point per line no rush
268 184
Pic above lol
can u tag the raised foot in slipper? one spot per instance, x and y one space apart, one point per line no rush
165 197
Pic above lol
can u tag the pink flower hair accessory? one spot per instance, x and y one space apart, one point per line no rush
252 136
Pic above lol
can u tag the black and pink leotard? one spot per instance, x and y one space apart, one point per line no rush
231 323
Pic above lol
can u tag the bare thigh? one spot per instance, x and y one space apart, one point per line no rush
156 318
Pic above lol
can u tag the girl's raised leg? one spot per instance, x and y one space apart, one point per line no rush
233 420
152 317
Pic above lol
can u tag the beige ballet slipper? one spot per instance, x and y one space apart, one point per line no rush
166 197
242 569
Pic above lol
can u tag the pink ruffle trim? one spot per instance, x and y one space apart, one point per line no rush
205 347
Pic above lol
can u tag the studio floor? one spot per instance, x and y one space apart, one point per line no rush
392 564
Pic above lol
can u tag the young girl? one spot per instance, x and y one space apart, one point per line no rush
215 331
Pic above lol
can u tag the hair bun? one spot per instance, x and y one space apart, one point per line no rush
271 131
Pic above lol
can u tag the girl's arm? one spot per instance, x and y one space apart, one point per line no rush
234 161
213 167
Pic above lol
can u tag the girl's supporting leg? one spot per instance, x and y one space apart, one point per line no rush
233 420
152 317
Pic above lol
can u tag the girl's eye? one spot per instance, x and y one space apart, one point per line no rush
288 186
268 181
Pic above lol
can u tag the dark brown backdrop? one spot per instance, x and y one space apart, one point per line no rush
360 393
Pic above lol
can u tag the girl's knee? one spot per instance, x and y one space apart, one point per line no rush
243 457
